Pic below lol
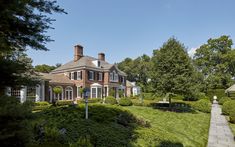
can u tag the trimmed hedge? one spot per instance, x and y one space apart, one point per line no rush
228 107
125 102
224 99
42 103
148 96
64 102
202 105
218 92
90 100
232 117
110 100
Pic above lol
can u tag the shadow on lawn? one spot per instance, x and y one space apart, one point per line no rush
106 126
170 144
175 107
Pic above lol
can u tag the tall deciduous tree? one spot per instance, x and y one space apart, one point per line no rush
46 68
174 72
215 60
23 25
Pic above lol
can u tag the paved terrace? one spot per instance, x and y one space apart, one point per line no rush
220 134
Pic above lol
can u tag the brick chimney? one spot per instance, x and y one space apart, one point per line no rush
78 52
101 56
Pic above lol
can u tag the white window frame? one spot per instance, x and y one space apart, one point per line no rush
100 76
72 75
92 77
111 76
79 77
69 89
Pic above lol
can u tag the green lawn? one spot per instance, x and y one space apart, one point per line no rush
123 126
182 129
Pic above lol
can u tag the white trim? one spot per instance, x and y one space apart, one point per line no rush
70 97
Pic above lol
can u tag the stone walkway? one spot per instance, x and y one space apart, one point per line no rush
220 134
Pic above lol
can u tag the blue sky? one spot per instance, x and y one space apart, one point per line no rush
130 28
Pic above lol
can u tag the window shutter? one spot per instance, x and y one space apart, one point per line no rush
70 75
81 75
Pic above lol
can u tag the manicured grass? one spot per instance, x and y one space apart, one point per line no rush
170 128
123 126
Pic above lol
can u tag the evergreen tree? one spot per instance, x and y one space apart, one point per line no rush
174 72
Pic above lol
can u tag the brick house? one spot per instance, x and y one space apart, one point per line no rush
98 77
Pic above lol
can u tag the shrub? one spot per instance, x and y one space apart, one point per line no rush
42 103
148 96
228 107
178 97
232 117
218 92
110 100
203 105
125 102
15 128
64 102
223 100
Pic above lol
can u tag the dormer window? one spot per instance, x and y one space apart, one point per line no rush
96 62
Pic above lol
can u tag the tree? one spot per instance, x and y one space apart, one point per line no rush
23 25
44 68
173 70
215 60
138 70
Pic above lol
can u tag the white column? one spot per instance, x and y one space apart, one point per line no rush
91 93
38 94
96 93
8 91
43 91
107 94
117 92
23 94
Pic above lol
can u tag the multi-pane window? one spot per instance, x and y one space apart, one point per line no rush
90 75
93 94
111 76
79 75
72 75
100 76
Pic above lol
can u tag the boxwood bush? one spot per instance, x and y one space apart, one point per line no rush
64 102
228 107
223 100
125 102
202 105
42 103
232 117
110 100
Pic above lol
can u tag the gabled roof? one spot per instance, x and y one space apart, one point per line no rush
56 78
230 89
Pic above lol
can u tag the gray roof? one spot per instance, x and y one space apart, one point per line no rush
86 61
56 78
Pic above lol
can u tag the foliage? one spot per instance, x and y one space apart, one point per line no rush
107 125
120 93
232 117
111 92
215 60
23 26
57 90
202 105
125 102
14 117
148 96
223 100
173 70
216 92
41 103
110 100
228 107
64 102
139 70
91 100
44 68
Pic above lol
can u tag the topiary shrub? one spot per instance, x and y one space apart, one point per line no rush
63 103
232 117
223 100
202 105
110 100
125 102
228 107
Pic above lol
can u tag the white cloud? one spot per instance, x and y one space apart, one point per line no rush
192 51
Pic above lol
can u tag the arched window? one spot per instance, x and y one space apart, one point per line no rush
59 96
68 93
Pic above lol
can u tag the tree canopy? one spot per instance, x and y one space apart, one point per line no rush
173 69
23 26
216 61
46 68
